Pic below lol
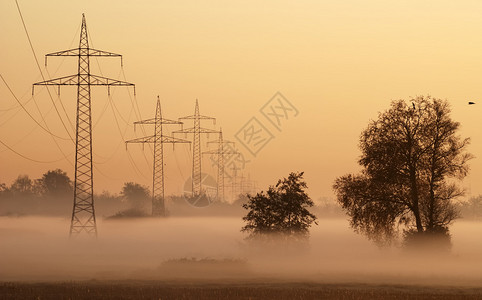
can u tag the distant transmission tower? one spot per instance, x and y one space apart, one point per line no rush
250 185
233 182
158 139
196 130
244 185
83 214
220 152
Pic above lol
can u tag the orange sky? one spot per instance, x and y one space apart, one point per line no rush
338 63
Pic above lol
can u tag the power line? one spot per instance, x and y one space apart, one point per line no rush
46 129
16 106
138 115
23 107
28 158
28 134
124 140
131 160
40 70
114 109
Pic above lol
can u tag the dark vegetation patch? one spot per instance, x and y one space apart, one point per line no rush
227 290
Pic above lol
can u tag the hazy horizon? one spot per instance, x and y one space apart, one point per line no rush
339 64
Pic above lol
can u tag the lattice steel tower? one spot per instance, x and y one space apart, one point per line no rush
158 139
196 130
83 213
220 153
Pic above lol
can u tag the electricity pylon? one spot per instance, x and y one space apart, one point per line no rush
240 185
220 152
158 139
233 182
196 130
83 213
245 184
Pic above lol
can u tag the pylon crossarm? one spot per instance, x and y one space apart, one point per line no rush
173 122
224 142
147 139
99 80
147 121
172 140
90 52
87 51
220 152
192 117
153 121
95 52
66 80
70 52
94 80
192 130
152 139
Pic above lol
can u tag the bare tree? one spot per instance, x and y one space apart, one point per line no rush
410 156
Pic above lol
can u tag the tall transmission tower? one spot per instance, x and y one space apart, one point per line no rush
234 183
83 213
158 139
196 130
220 153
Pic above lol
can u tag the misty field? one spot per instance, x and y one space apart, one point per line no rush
207 258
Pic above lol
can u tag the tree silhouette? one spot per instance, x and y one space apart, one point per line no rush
55 184
22 187
409 156
135 194
281 211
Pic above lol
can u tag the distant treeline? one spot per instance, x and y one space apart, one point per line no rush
46 195
52 195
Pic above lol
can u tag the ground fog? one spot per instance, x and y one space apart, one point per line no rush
213 248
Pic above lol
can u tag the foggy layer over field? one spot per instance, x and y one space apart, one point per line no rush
38 248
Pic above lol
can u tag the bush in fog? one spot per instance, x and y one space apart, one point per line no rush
136 195
410 156
282 211
438 239
129 213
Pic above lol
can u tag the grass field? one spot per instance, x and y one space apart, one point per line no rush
232 290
